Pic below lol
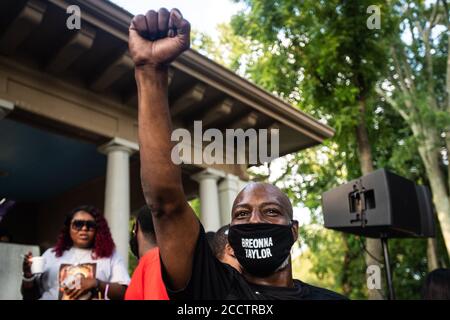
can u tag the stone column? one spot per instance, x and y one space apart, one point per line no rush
229 187
117 191
209 199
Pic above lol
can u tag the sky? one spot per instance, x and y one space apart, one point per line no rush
204 15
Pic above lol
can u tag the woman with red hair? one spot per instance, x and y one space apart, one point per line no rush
83 265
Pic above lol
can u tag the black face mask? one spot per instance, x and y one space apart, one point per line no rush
261 248
134 243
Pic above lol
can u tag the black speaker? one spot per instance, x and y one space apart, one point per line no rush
427 222
380 204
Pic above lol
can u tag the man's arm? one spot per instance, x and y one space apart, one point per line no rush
176 226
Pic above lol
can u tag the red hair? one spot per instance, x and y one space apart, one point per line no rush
103 243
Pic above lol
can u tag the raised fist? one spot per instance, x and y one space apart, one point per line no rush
157 38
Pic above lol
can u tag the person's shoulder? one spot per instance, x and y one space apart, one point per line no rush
49 253
115 256
151 254
150 257
318 293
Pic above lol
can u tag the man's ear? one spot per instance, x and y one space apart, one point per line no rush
229 250
295 229
139 234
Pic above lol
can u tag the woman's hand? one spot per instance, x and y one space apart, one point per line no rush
26 266
86 285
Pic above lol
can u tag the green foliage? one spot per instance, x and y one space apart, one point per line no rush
322 54
195 205
409 266
418 66
340 265
319 56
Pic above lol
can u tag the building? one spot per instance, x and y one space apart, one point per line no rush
68 120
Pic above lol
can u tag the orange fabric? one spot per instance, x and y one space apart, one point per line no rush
146 282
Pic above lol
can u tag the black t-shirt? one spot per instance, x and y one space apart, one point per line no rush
214 280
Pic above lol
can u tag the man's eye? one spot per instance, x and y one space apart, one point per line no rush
241 213
272 212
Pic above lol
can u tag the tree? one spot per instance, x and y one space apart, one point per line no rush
335 259
338 59
418 88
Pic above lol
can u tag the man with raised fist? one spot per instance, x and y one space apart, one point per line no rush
262 229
